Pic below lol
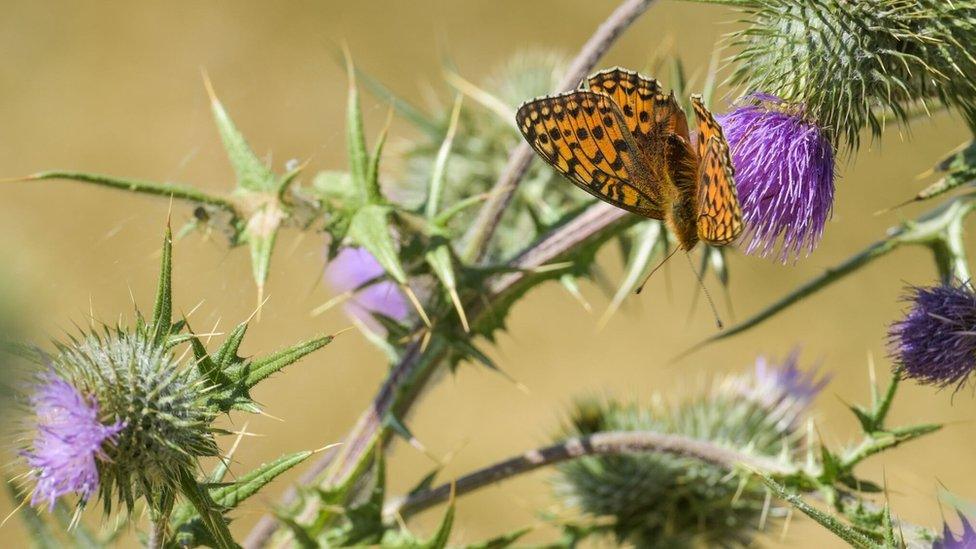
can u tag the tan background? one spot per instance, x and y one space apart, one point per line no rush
115 87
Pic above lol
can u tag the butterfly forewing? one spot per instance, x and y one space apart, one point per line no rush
719 213
650 115
583 135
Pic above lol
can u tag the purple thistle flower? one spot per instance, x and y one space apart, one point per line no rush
783 389
355 270
68 440
935 343
784 174
967 540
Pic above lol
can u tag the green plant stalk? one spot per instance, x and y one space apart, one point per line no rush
940 230
409 376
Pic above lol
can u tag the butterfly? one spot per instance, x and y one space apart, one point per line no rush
622 140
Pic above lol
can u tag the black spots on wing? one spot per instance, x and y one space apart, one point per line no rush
628 110
582 133
620 145
644 117
597 133
554 134
608 120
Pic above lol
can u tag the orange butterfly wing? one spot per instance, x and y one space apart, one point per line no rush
650 115
583 135
719 213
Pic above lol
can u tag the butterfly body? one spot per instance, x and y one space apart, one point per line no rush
625 142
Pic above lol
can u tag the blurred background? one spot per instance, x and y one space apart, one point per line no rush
115 87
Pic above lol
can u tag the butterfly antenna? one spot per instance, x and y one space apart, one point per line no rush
654 270
708 296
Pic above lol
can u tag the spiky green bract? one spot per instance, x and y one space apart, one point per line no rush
485 137
853 64
659 500
163 404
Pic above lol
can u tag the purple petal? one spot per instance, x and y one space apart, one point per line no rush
349 271
68 439
784 174
935 343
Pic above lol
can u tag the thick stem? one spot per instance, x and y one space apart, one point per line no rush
608 443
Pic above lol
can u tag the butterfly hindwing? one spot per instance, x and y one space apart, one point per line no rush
583 135
719 212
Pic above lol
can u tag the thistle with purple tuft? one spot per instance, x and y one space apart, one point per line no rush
935 343
356 273
68 442
784 173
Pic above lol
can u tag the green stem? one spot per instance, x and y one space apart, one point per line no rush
178 192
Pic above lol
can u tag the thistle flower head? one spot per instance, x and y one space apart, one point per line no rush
69 440
122 415
356 271
935 342
783 389
784 174
661 500
853 64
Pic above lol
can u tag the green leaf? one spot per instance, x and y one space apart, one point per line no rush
842 530
370 229
260 233
443 534
162 316
356 140
650 241
252 173
248 484
441 261
436 187
178 192
959 169
210 515
261 368
403 107
373 170
226 355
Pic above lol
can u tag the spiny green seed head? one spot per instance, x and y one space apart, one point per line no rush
661 500
484 140
163 402
852 63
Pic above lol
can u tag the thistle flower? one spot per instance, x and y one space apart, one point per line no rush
935 343
784 390
856 64
356 272
966 539
784 174
69 440
659 500
161 409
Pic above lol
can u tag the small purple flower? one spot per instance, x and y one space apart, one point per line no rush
783 389
349 271
966 540
935 343
68 440
784 174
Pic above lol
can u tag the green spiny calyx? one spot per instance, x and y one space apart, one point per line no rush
163 404
663 500
854 64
